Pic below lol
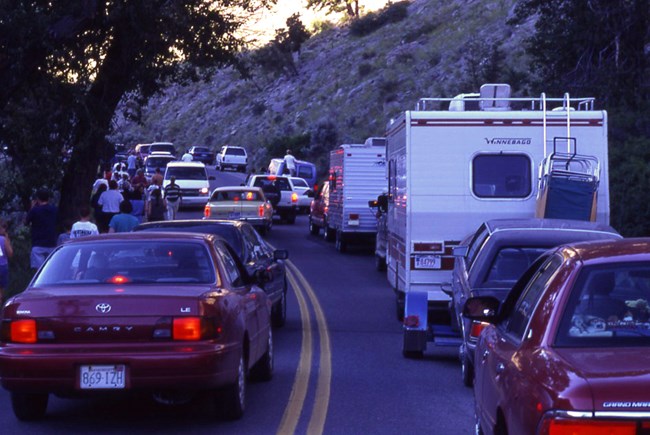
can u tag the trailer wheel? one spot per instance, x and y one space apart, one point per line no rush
380 263
341 245
399 308
467 371
328 233
313 229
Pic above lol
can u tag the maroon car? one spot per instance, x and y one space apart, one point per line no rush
568 352
169 313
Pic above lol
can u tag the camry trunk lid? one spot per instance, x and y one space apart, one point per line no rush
105 313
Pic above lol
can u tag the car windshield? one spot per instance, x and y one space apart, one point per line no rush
128 262
235 195
225 231
299 182
236 151
157 162
511 262
608 306
186 173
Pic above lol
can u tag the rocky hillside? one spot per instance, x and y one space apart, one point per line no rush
347 87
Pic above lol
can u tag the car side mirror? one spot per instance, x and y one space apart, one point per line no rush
460 251
280 254
481 308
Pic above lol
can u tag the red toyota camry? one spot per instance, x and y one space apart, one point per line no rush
569 351
173 314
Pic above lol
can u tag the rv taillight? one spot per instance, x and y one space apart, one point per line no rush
294 197
23 331
354 216
412 321
260 211
476 329
206 211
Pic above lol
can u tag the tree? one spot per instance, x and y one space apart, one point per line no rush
277 55
66 65
351 7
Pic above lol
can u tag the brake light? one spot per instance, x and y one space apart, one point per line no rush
119 279
186 328
260 211
23 331
206 211
354 216
294 197
476 329
577 426
412 321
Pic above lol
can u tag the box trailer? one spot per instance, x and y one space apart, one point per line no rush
357 175
453 163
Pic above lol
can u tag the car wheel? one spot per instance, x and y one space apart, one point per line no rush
279 313
234 396
467 371
340 244
399 309
380 263
477 425
313 229
29 407
263 369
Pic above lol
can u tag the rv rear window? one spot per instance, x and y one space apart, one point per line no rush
501 176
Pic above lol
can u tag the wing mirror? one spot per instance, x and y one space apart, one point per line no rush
481 308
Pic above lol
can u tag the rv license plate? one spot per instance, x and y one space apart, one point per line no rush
427 261
102 377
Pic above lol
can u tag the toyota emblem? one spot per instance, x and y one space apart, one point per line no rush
103 308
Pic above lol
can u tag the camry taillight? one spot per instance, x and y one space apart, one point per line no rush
206 211
186 328
476 329
260 211
584 426
294 197
23 331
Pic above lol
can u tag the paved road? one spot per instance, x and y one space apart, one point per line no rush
339 368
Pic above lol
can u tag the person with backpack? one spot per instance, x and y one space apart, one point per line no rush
156 206
173 196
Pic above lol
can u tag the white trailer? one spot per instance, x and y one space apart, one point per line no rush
357 175
452 165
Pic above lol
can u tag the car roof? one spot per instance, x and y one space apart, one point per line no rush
186 164
495 225
129 236
238 189
606 251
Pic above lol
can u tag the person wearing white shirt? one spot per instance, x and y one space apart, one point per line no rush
187 157
290 163
83 227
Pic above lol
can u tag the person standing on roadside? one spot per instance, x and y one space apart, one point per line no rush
42 217
157 178
173 196
156 207
187 157
290 163
131 162
83 227
6 252
110 203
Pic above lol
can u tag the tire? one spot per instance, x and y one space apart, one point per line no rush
399 309
279 310
328 233
263 369
29 407
380 263
233 397
467 371
340 244
313 229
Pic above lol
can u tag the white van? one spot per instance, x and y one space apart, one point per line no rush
193 180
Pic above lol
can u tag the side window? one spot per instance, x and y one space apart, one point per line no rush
475 245
230 266
525 306
501 176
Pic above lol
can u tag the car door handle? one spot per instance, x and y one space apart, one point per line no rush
486 353
500 368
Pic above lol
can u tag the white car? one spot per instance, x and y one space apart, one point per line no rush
232 157
193 180
305 194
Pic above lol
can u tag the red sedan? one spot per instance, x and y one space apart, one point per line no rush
568 351
173 314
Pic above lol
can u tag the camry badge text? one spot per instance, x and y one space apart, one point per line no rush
103 308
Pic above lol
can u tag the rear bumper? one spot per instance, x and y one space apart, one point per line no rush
181 366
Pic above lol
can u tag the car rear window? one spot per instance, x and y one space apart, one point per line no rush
164 148
277 182
225 231
511 262
186 173
608 306
299 182
128 262
157 162
236 195
201 150
236 151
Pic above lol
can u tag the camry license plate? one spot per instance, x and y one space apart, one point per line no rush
234 215
427 261
102 377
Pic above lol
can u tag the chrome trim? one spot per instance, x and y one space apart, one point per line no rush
623 414
570 414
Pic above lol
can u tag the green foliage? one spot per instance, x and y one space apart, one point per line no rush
19 270
392 13
277 56
278 146
350 7
320 26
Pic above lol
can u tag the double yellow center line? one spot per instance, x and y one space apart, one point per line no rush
300 387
